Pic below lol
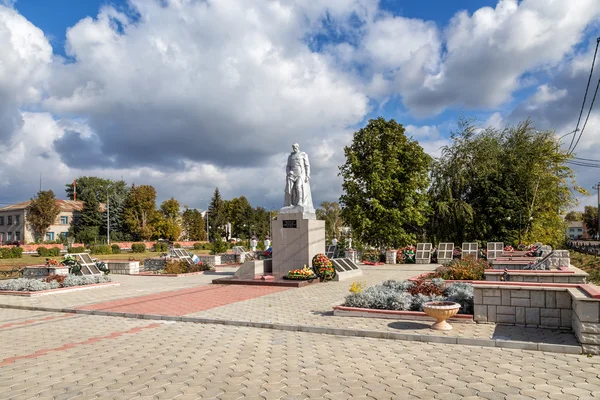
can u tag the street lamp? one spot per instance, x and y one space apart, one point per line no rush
207 227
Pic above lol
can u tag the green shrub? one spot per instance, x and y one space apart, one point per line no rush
138 248
17 252
177 245
115 249
218 247
101 249
198 246
161 247
74 250
43 252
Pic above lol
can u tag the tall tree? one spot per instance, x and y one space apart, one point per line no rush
590 218
42 213
240 214
217 216
385 182
193 224
167 224
140 212
87 226
331 213
499 185
99 186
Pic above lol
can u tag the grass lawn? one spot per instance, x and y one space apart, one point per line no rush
27 259
588 263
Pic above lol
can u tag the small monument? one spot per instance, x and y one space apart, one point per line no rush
297 234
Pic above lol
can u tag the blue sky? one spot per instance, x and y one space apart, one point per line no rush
198 96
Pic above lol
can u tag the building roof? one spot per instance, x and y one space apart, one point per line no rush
63 205
575 224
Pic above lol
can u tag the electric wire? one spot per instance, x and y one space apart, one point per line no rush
585 95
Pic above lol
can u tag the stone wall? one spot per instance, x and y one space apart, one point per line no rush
543 307
41 271
541 277
211 259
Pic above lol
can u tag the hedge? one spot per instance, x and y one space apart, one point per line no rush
101 249
161 247
115 249
74 250
11 252
138 248
48 252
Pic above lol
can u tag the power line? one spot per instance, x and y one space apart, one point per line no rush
585 96
583 165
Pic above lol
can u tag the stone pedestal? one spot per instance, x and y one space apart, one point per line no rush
390 256
351 255
296 240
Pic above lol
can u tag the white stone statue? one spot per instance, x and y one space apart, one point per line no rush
298 198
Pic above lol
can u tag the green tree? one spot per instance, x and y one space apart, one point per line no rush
193 225
499 185
331 213
87 226
167 223
217 216
590 218
574 216
99 186
140 212
42 213
385 182
240 215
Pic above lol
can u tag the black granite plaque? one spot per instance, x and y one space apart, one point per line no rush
289 223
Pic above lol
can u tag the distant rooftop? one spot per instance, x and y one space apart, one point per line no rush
63 205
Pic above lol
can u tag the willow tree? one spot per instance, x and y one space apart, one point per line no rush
500 185
385 185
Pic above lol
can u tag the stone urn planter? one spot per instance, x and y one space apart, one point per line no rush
441 311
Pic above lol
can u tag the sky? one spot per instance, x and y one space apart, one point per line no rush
189 95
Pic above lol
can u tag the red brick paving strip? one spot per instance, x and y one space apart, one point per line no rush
33 321
186 301
39 353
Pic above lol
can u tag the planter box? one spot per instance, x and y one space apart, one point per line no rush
342 311
57 291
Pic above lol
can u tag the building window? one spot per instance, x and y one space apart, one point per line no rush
9 237
9 222
50 236
64 220
63 234
1 220
18 236
17 220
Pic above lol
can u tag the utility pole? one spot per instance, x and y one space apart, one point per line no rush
597 187
107 218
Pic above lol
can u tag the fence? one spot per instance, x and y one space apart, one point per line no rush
584 247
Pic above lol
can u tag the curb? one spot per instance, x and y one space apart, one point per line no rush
510 344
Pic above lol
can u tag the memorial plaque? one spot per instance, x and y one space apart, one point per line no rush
470 249
289 223
423 254
445 251
494 249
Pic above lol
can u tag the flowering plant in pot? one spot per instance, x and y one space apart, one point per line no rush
323 267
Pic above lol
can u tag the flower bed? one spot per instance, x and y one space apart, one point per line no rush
175 267
301 274
51 282
410 296
467 269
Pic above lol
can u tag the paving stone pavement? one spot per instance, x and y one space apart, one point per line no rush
152 360
312 306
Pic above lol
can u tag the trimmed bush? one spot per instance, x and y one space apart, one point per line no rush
218 247
74 250
43 252
11 252
198 246
115 249
138 248
177 245
101 249
48 252
161 247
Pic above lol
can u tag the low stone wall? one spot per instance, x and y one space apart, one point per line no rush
153 264
41 271
564 307
228 258
573 276
124 267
